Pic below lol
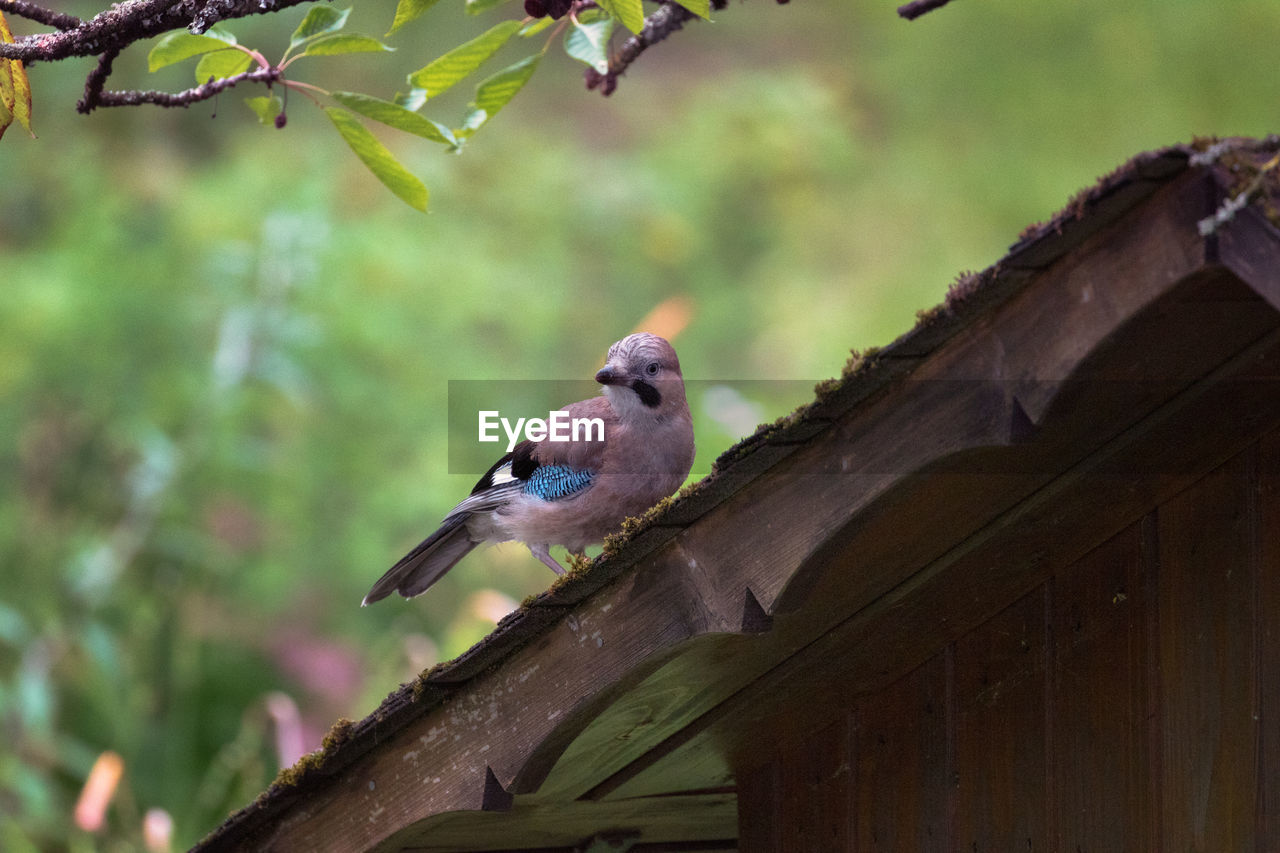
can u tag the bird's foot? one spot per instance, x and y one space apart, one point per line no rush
543 553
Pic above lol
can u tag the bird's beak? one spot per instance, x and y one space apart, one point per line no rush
607 375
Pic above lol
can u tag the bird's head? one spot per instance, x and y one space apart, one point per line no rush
641 376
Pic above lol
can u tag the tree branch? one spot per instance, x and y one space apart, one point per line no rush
39 14
133 20
185 98
916 8
95 81
668 19
114 29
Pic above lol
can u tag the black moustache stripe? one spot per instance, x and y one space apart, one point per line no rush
647 393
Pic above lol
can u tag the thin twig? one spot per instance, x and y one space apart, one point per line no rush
916 8
304 88
187 97
668 19
125 23
95 81
39 14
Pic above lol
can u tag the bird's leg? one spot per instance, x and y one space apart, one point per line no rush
543 553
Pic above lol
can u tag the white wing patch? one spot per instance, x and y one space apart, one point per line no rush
502 475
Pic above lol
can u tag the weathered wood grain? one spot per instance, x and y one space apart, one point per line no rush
1208 671
1247 245
701 822
1001 801
1046 533
759 795
1017 360
1098 700
1267 639
893 539
1190 649
902 768
950 405
817 786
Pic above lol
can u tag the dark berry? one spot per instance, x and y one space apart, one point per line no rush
280 121
535 9
557 9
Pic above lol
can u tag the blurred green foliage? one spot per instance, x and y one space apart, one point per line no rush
225 349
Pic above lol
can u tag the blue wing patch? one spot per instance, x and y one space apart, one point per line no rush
552 482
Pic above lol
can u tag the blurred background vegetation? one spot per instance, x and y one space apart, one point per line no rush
225 349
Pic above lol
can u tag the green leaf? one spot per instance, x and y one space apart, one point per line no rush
343 43
701 8
410 10
411 100
380 161
630 12
496 92
7 94
589 42
535 26
180 45
15 88
319 20
475 7
267 107
471 123
394 115
227 62
442 73
21 95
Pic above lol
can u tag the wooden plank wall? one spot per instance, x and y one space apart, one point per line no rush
1131 702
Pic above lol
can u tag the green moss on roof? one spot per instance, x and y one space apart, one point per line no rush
1027 233
635 524
1242 161
688 490
338 734
969 283
578 563
1238 163
860 361
1259 182
929 316
420 683
631 527
290 777
1249 171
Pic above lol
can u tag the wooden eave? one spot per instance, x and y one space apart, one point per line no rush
1114 355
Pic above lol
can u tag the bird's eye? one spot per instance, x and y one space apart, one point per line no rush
652 369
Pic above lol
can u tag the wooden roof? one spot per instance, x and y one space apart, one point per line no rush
1114 353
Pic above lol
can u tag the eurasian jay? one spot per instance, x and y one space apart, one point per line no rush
571 493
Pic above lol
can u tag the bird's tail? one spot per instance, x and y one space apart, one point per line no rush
427 563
